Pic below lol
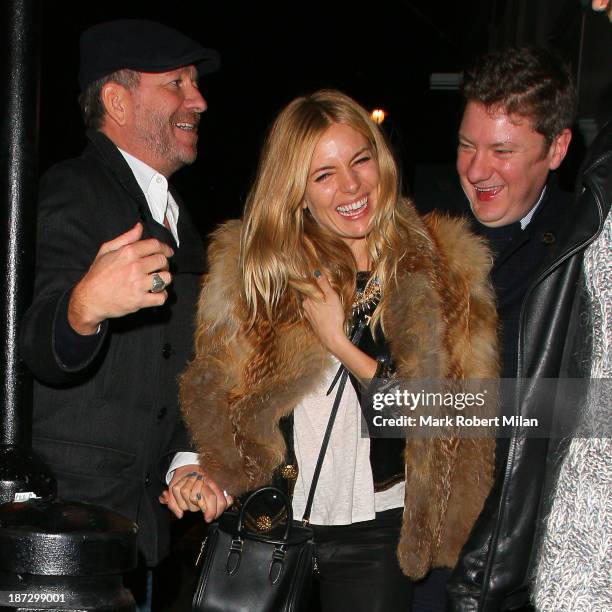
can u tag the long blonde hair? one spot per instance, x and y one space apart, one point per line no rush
281 244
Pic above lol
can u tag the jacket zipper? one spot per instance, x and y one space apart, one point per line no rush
201 551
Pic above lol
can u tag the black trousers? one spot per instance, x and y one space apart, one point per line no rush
430 593
358 567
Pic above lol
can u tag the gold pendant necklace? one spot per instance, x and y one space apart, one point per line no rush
367 299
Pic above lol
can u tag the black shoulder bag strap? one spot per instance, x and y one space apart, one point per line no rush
341 374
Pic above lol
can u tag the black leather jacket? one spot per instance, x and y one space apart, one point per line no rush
496 564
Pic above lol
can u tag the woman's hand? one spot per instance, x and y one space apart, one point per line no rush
326 316
191 490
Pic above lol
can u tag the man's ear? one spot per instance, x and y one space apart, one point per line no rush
558 148
116 100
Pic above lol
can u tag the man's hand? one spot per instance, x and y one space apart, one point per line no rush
119 281
191 490
603 5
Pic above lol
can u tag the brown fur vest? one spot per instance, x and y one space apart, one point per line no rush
440 323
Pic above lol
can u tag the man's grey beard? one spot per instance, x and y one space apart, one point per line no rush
157 137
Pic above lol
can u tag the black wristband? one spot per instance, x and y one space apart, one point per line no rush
385 368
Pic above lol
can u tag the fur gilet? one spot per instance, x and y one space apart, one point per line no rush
440 322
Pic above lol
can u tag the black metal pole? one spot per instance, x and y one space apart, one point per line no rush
22 475
21 22
72 552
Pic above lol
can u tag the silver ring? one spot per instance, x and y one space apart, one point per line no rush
157 283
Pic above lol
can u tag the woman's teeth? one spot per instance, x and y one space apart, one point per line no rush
350 209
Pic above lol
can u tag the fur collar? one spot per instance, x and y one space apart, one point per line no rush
440 323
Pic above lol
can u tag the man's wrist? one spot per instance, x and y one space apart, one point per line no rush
79 320
179 460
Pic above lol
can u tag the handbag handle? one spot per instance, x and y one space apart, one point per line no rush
234 556
284 499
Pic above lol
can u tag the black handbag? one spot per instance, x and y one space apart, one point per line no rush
246 571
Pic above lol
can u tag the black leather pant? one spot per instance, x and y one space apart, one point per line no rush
358 567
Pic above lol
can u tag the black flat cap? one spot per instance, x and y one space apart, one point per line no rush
142 45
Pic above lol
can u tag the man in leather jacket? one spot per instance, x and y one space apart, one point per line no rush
573 568
516 101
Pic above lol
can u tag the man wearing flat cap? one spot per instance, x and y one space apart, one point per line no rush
118 263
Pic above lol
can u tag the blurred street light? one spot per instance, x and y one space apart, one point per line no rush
378 115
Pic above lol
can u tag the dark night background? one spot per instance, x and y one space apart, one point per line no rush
272 51
382 55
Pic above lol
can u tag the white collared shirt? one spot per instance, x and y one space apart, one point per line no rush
155 189
526 220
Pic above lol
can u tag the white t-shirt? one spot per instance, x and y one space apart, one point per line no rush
345 490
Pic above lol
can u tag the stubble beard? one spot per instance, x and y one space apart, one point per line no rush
155 132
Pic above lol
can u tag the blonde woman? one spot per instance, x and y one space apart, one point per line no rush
327 244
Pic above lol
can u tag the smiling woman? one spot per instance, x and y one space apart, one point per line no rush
332 268
342 187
